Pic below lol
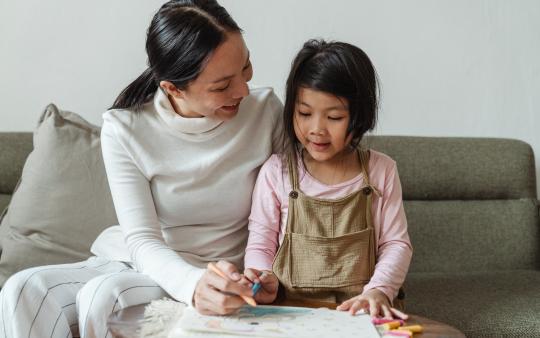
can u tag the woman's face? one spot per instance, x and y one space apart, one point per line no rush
221 85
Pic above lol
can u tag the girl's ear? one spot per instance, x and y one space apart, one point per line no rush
171 89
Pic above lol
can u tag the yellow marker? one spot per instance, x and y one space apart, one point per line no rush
390 325
413 328
402 332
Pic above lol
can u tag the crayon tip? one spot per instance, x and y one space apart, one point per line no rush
255 288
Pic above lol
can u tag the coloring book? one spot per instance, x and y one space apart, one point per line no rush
275 322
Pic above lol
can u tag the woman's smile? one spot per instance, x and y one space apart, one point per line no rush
232 109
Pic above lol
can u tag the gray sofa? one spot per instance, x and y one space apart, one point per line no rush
473 219
472 210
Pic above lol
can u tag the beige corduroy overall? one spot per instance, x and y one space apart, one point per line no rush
328 249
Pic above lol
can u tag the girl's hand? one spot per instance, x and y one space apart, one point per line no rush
269 284
215 295
375 302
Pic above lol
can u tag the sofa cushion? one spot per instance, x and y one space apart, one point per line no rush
15 148
63 200
478 235
480 304
4 201
460 168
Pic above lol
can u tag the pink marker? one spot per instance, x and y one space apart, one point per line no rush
379 321
398 333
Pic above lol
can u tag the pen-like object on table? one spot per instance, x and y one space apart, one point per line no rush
379 321
413 328
390 325
399 333
220 273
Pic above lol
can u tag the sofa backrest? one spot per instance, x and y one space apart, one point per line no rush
471 203
15 148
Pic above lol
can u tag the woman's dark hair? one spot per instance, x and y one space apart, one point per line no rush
336 68
181 36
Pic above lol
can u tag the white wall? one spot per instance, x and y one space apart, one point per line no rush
447 68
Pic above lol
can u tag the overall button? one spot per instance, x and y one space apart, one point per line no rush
293 194
367 190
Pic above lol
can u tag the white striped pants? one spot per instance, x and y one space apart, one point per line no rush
71 300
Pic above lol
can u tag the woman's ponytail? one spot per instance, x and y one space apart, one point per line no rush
137 93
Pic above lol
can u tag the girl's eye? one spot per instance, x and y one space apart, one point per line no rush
222 89
337 118
304 114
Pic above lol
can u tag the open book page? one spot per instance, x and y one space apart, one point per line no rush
276 322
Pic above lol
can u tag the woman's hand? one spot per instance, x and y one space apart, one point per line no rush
215 295
269 284
375 302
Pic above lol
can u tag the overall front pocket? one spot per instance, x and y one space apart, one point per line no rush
324 262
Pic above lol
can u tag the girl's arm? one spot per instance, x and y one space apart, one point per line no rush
394 247
264 220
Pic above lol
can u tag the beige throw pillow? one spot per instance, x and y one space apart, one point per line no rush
63 200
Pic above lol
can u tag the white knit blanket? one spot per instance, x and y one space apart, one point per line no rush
160 316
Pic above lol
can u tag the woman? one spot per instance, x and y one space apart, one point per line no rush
182 145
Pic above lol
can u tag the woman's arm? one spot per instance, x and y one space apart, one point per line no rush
137 216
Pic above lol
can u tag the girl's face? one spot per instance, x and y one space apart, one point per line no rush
320 123
221 85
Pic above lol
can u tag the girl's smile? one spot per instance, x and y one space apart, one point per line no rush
320 146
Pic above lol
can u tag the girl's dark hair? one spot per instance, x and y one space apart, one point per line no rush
336 68
181 36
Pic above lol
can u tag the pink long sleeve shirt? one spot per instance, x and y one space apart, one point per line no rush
268 218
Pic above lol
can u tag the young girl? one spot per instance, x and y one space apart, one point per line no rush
327 221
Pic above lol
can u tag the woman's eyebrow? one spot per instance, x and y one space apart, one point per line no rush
228 77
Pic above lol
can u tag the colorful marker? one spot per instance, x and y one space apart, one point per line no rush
399 333
413 328
379 321
390 325
257 286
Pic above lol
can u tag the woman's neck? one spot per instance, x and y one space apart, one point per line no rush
178 110
341 168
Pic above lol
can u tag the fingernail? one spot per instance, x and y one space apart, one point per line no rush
235 275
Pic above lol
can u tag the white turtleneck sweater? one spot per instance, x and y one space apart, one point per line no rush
182 186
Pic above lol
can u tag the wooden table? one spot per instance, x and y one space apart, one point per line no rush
127 322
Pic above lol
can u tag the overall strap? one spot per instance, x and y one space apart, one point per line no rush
293 172
364 162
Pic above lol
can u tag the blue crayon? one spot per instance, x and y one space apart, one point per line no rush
255 288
